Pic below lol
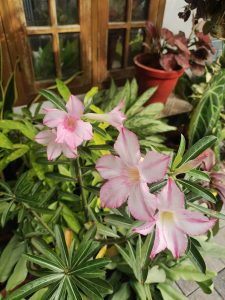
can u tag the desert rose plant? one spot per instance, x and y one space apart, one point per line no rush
123 219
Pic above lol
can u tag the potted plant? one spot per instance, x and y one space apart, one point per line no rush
168 56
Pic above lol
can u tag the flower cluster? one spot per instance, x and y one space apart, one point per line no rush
127 177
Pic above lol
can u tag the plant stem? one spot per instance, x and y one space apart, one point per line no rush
39 219
80 181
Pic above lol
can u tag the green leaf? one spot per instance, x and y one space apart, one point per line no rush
89 290
112 88
17 125
133 94
13 156
5 142
117 220
45 263
101 285
6 212
207 112
198 148
124 292
197 174
198 190
146 249
155 275
10 95
34 286
195 256
207 211
10 256
122 94
19 274
91 265
60 241
141 101
180 152
63 89
89 95
170 293
54 99
106 231
71 219
38 295
100 147
73 293
59 177
85 251
139 289
125 256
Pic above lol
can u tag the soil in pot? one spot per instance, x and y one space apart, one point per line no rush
149 73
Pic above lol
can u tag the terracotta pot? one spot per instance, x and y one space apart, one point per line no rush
148 76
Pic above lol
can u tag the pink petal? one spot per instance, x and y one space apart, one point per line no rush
154 166
68 152
75 106
116 117
44 137
145 228
159 242
69 137
170 197
176 240
141 203
110 166
193 223
84 130
114 193
128 148
54 117
53 150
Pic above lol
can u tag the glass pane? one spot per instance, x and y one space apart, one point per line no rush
69 53
117 10
140 10
36 12
67 12
115 48
42 55
136 43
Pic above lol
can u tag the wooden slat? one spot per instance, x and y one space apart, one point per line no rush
127 33
50 30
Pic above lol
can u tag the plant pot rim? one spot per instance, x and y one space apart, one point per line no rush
137 61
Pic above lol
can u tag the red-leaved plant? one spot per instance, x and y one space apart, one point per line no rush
175 50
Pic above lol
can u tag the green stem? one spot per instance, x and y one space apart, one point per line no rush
80 181
39 219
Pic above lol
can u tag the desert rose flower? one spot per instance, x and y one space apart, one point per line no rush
173 222
114 117
70 128
48 137
128 174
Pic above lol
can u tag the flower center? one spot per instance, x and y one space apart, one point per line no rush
134 174
70 123
167 216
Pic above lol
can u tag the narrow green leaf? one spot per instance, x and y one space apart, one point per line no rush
73 293
198 190
100 147
43 263
170 293
198 148
146 249
54 99
197 174
124 292
34 286
63 89
125 256
101 285
88 290
207 211
19 274
18 125
180 152
155 275
117 220
71 219
106 231
61 244
5 142
6 212
59 177
10 95
91 265
195 256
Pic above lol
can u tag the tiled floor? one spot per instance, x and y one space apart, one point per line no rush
192 291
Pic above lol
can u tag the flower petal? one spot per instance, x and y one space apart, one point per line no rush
75 106
68 152
128 148
176 240
114 193
141 203
220 189
54 117
110 166
53 150
146 228
159 242
68 137
193 223
170 197
45 137
154 166
84 130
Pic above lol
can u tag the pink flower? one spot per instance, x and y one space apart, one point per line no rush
128 174
114 117
173 222
70 128
54 149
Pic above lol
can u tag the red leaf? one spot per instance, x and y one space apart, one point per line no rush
168 61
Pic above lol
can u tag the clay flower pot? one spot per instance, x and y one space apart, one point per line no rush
148 76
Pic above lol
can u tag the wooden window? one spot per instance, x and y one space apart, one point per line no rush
58 38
